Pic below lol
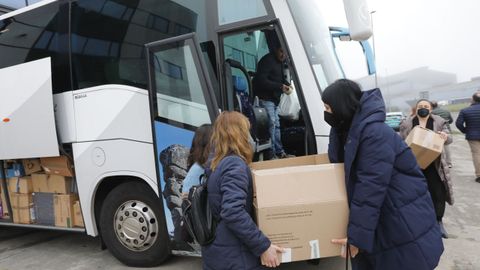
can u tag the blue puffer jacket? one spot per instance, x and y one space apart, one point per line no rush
468 122
392 220
238 243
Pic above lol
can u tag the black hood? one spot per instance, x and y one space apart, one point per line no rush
343 97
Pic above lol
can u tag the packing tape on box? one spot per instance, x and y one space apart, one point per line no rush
314 249
287 255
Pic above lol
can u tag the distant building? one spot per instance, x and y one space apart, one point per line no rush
401 90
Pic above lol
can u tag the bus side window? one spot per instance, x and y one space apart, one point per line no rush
37 34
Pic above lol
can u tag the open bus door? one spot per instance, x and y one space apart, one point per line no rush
181 99
242 46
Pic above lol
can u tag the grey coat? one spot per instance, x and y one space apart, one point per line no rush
439 124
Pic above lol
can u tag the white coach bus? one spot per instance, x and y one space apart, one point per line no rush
120 87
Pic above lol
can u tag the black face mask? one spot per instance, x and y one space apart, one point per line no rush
423 112
331 120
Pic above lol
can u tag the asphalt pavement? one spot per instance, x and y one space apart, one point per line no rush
55 250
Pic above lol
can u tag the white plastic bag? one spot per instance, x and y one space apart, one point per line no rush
289 106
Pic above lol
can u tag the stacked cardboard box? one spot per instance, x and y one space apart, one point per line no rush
301 204
20 185
43 188
58 182
57 166
78 217
22 208
20 192
31 166
51 183
4 213
64 212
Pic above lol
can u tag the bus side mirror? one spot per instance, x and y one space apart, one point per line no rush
358 18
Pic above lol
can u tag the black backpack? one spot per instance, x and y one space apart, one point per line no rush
197 215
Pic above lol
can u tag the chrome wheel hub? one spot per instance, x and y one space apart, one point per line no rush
135 225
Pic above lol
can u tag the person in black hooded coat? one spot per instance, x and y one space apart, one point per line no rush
392 223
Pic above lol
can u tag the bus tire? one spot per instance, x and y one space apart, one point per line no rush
133 226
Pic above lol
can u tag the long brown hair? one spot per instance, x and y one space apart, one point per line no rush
200 145
230 136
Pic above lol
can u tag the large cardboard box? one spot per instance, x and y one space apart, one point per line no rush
57 165
22 208
63 207
51 183
77 215
426 145
21 185
301 204
43 205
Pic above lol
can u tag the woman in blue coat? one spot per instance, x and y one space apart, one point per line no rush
238 244
392 223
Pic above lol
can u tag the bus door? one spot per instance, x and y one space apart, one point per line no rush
181 100
241 49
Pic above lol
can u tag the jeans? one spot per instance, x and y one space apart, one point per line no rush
274 126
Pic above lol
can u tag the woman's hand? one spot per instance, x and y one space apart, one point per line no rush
343 242
269 258
443 135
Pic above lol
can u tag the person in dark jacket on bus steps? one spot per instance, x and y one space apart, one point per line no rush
238 244
269 84
392 223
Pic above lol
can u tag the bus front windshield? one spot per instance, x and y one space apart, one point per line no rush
316 40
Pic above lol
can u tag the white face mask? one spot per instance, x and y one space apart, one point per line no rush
252 143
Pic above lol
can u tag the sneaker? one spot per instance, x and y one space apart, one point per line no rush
477 180
442 230
285 155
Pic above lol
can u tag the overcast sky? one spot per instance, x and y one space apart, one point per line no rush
441 34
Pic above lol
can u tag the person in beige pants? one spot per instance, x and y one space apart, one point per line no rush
468 122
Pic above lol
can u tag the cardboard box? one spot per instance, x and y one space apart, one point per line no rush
57 165
77 215
22 208
426 145
31 166
21 185
63 207
4 203
43 205
51 183
301 204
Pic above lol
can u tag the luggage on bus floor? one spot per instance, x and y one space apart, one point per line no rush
293 139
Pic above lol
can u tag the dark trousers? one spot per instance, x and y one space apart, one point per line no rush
437 190
361 262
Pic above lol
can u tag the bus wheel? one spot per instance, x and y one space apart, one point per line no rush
133 227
